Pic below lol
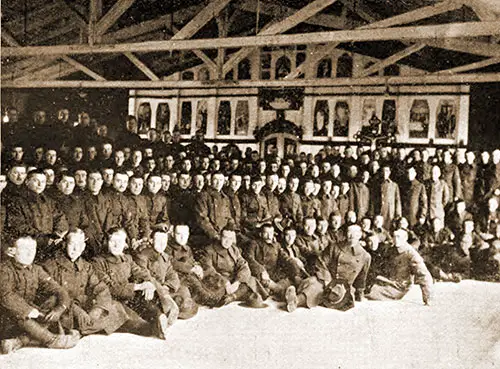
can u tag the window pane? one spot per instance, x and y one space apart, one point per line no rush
324 69
202 116
224 118
344 66
341 122
446 121
144 117
163 117
244 69
419 119
187 76
242 118
283 67
391 70
186 115
321 118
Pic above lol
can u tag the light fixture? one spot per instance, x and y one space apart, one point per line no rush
5 117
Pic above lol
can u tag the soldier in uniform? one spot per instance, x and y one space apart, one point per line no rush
22 319
290 201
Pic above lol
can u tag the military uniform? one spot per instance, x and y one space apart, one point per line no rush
415 203
98 211
273 204
360 197
386 201
254 210
438 195
212 212
72 207
139 222
87 293
291 206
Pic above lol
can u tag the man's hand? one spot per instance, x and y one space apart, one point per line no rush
265 276
34 314
198 271
148 290
232 287
55 314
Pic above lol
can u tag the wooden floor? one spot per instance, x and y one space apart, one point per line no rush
460 330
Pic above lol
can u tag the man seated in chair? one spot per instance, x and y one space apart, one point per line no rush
22 320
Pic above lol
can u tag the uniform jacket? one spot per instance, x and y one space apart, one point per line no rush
160 268
181 206
182 257
271 258
212 212
360 197
120 214
451 176
253 210
415 204
438 195
291 205
138 226
20 286
311 206
468 175
98 209
386 201
72 207
35 215
120 274
273 204
235 206
158 208
328 205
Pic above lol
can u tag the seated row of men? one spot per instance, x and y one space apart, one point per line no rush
144 291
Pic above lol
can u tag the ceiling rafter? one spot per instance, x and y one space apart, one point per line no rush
141 66
110 18
471 66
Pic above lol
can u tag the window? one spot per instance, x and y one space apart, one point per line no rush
419 119
446 121
283 67
392 70
144 117
224 118
229 75
265 66
204 74
341 121
299 59
242 118
344 66
321 118
244 69
324 68
186 115
187 76
163 117
202 116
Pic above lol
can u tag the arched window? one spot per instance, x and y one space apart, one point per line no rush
324 68
229 75
202 116
392 70
283 67
419 119
163 117
344 66
187 76
186 115
224 118
203 74
244 69
242 118
144 117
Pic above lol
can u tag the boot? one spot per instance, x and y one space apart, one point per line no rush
65 341
37 331
162 326
291 299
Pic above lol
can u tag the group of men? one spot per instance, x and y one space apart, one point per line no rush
102 235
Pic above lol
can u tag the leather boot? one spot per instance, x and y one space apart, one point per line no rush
37 331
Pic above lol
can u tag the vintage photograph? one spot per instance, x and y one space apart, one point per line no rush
250 184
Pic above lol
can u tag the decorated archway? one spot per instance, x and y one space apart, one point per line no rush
279 137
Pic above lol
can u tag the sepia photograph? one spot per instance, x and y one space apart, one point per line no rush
250 184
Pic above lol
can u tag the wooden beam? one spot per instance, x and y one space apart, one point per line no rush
206 15
83 68
279 27
142 67
120 7
467 29
466 78
200 54
471 66
76 16
466 46
391 59
280 10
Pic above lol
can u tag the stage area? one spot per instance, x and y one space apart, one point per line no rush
460 330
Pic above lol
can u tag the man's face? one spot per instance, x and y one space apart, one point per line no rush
485 157
120 182
386 171
50 176
199 182
447 157
95 182
378 221
205 163
127 153
344 187
51 157
39 117
169 161
148 152
154 184
17 153
165 182
217 182
366 224
39 154
181 234
92 152
412 174
3 182
400 238
136 185
293 185
132 125
290 236
84 119
336 222
309 188
137 157
151 164
310 226
160 240
66 185
228 239
257 186
81 178
77 154
107 150
25 251
107 176
37 183
235 182
184 181
326 167
437 225
117 243
327 187
17 175
75 245
492 205
336 170
281 185
285 169
354 234
436 173
272 182
63 115
322 227
186 165
267 234
470 157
